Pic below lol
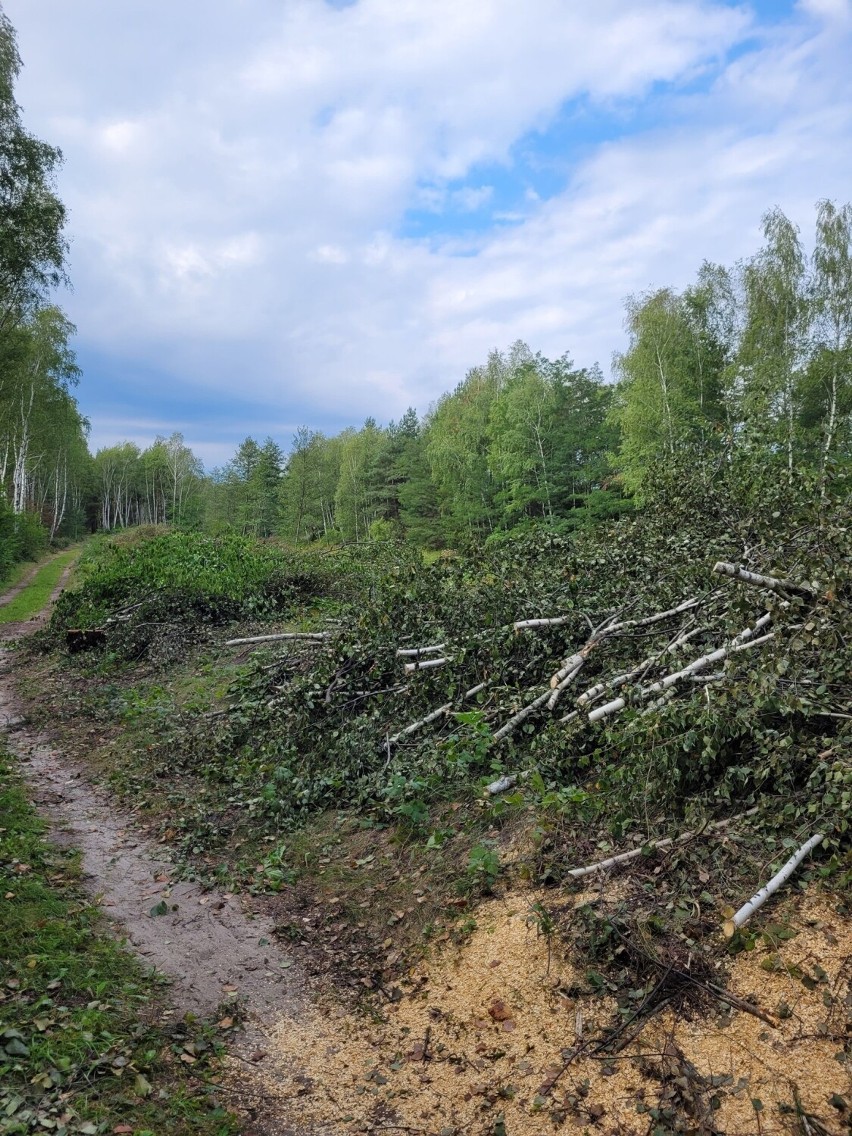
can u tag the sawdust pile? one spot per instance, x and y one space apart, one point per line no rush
480 1040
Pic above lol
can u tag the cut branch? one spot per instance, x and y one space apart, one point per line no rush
310 635
771 582
744 641
426 664
624 857
416 652
521 716
630 624
556 621
557 692
757 901
501 784
441 712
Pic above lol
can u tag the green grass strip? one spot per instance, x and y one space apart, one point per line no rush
78 1052
31 599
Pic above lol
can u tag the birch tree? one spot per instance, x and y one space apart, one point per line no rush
831 297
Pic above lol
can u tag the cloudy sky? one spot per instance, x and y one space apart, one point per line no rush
290 212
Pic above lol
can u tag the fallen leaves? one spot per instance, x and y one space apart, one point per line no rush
499 1011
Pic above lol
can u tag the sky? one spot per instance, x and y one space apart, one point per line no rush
309 212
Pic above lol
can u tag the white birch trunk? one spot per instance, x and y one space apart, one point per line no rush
757 901
771 582
310 635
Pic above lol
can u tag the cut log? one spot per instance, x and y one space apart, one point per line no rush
757 901
771 582
416 652
315 636
426 664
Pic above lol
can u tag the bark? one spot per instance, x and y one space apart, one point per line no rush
624 857
757 901
416 652
771 582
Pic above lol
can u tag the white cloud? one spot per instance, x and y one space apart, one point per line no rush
236 175
833 10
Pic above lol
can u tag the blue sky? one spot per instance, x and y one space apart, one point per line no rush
313 212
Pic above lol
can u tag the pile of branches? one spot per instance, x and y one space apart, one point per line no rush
630 657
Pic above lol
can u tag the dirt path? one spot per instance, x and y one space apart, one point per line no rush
209 944
9 595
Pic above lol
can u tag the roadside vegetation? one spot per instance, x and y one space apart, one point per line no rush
82 1046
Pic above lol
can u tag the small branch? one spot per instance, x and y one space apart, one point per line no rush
629 624
771 582
410 668
435 715
516 720
416 652
623 857
757 901
310 635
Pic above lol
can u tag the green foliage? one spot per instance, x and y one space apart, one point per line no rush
22 537
483 868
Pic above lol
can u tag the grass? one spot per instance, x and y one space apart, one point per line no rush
78 1052
18 571
35 595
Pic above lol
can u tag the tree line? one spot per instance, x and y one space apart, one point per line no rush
748 367
43 452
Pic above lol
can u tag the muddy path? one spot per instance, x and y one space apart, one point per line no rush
218 954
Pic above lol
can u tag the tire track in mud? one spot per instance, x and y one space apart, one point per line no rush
211 947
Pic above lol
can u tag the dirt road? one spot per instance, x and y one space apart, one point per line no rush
210 945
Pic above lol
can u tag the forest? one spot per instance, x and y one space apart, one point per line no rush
750 363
